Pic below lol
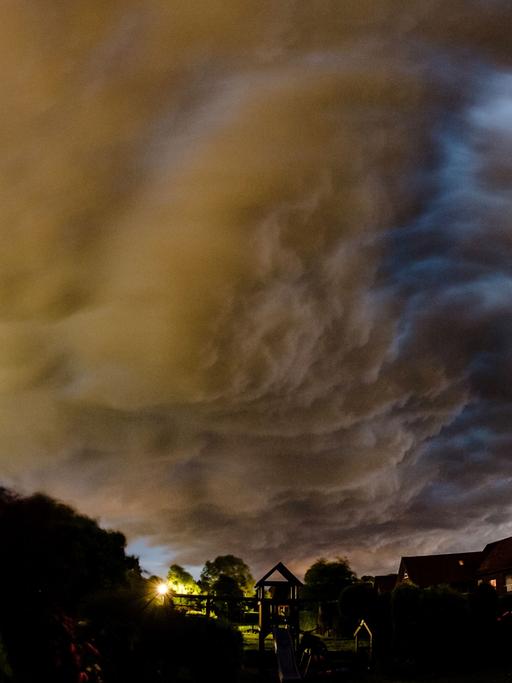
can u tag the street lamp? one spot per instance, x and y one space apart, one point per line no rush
162 589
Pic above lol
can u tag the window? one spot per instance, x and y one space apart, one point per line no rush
461 563
492 582
508 583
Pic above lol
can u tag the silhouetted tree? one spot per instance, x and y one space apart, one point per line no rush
60 555
358 601
431 627
227 592
227 565
323 582
325 579
53 558
444 627
406 618
227 587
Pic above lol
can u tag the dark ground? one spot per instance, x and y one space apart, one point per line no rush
345 670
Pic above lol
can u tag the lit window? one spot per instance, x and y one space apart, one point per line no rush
461 563
406 576
492 582
508 583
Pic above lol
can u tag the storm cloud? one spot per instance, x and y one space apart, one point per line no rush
256 272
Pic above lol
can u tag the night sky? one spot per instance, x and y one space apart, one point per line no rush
256 273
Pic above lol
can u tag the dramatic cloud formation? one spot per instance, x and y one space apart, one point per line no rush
256 272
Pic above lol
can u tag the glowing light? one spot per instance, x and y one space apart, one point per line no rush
162 589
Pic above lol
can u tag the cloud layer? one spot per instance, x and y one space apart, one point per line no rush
255 272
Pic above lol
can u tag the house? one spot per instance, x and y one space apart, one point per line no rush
458 570
462 571
496 565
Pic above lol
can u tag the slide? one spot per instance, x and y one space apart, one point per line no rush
286 663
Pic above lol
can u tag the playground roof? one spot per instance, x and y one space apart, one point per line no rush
285 573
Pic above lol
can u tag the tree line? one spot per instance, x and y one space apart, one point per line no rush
230 576
226 575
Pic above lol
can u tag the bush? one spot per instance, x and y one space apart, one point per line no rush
431 627
152 642
359 601
444 631
405 614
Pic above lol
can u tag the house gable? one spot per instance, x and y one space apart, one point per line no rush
496 565
458 570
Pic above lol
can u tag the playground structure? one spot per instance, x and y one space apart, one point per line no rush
274 611
278 595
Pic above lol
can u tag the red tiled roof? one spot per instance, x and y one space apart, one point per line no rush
432 570
496 557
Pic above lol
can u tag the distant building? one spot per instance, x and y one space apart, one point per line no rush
461 571
458 570
496 565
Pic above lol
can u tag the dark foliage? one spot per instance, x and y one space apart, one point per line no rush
229 566
227 594
323 583
59 555
438 629
74 607
141 640
325 579
444 628
359 601
406 618
53 559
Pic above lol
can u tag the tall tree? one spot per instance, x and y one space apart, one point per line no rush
323 582
227 565
325 579
53 559
60 556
